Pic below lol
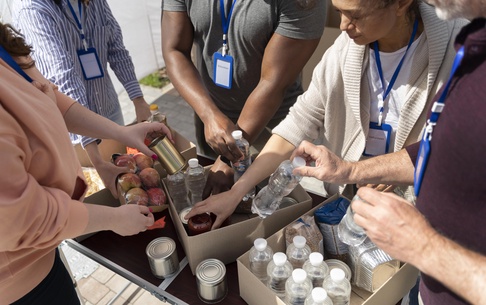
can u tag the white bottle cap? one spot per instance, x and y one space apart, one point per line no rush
237 134
299 241
299 275
319 294
193 162
279 258
298 162
337 275
260 244
316 258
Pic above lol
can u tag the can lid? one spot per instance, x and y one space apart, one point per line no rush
211 271
161 247
183 213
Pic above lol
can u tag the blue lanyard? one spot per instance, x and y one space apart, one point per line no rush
225 21
438 105
12 63
78 22
386 90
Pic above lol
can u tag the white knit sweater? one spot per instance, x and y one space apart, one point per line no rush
336 107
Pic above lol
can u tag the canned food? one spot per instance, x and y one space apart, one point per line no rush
200 223
169 157
211 281
162 257
183 214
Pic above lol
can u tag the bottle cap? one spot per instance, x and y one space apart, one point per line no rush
298 162
316 258
279 258
193 162
337 275
260 244
154 107
319 294
299 275
237 134
299 241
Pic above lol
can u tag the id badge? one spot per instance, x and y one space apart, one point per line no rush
90 63
378 141
423 158
223 70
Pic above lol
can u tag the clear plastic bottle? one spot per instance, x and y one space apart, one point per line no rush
318 296
242 165
195 180
260 255
297 288
176 184
156 115
338 287
348 231
280 184
316 268
279 270
298 252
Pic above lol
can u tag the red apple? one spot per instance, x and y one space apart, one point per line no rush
156 196
143 161
136 195
126 160
128 181
150 177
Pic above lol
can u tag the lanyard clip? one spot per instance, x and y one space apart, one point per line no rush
225 46
429 129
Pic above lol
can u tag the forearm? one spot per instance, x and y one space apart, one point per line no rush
452 266
93 154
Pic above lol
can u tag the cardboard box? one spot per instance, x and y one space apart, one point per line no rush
109 147
229 242
254 292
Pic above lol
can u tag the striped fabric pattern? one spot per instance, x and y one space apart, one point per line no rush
55 37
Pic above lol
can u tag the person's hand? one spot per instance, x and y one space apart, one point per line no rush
328 166
218 136
109 173
222 205
220 179
131 219
392 223
379 187
134 135
142 109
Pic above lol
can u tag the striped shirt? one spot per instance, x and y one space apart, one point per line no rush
55 37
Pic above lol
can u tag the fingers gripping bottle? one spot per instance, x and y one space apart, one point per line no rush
242 165
318 296
195 180
279 270
297 288
298 252
260 255
280 184
338 287
316 268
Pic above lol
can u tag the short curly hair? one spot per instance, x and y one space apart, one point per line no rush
14 43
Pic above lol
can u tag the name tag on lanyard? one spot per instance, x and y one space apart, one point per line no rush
223 70
378 141
90 63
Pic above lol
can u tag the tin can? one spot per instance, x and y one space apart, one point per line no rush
162 257
211 281
169 157
183 214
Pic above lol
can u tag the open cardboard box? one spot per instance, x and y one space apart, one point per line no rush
229 242
254 292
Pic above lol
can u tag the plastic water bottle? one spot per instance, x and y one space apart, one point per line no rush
156 115
348 231
316 268
195 180
297 288
260 255
280 184
298 252
279 270
176 184
338 287
318 296
242 165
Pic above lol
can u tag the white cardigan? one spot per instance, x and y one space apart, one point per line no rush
336 107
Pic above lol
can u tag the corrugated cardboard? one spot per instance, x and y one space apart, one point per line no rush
229 242
254 292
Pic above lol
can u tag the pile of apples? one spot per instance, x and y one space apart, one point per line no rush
142 185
